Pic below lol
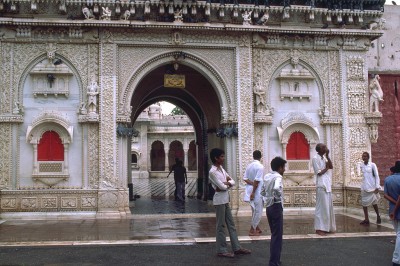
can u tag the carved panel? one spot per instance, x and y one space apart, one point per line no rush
29 203
245 107
337 155
48 202
356 99
108 145
108 199
334 102
5 155
8 203
358 137
258 137
88 202
300 198
355 68
69 202
355 158
93 152
5 82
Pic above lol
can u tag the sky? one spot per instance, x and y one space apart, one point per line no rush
167 107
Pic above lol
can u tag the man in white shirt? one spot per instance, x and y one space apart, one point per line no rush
222 182
369 187
324 215
272 192
254 179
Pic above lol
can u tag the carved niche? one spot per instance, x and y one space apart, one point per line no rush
50 79
50 172
298 172
295 83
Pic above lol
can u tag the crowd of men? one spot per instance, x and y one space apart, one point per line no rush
267 191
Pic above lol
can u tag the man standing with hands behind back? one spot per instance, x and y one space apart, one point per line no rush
254 180
324 215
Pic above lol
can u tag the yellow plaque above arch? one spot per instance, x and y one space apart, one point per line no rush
174 81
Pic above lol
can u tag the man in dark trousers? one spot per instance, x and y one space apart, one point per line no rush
392 194
272 191
179 177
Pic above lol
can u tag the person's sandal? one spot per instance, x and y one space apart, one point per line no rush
242 251
226 255
378 220
365 222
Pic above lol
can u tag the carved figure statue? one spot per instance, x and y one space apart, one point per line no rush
106 13
178 15
378 25
259 93
87 13
373 133
376 94
82 109
126 15
17 109
247 17
92 97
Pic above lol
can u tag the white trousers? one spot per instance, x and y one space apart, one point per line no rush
396 253
256 212
324 214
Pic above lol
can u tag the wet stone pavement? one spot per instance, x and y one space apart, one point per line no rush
157 219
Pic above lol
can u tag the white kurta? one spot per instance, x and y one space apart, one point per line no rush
324 213
254 172
370 183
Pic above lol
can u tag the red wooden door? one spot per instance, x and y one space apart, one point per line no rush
298 147
50 147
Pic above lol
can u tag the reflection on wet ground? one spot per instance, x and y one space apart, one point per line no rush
161 228
162 205
161 187
157 218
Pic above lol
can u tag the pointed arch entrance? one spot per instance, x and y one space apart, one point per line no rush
202 99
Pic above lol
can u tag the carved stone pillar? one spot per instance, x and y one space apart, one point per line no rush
110 196
186 159
166 160
244 111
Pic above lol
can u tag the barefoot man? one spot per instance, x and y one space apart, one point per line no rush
324 216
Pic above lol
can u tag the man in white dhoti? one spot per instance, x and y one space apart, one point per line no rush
254 180
369 188
324 215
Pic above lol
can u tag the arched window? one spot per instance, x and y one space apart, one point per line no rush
192 156
157 156
298 147
134 158
50 147
175 151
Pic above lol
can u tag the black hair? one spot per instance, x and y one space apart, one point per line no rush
257 155
277 162
318 147
367 153
215 153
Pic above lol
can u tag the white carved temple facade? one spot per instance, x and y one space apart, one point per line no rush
280 78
